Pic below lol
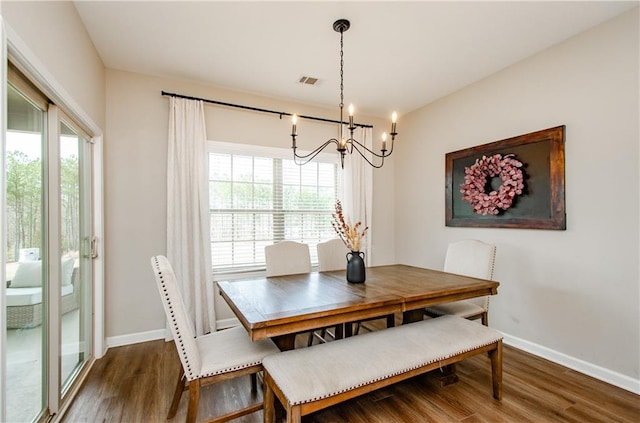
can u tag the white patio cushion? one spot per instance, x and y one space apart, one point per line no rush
67 271
30 296
23 296
321 371
28 275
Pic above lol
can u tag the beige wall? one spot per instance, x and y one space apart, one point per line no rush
135 171
575 292
572 292
55 34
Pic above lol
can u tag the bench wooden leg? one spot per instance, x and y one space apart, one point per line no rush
496 370
293 414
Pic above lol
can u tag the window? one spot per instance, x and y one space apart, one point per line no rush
259 196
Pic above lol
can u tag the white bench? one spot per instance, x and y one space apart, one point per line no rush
310 379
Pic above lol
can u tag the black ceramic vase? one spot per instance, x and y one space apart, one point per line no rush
355 267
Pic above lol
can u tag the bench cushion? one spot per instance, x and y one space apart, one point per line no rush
325 370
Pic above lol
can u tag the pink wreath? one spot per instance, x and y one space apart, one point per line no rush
475 181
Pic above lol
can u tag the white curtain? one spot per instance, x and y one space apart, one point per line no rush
188 234
357 193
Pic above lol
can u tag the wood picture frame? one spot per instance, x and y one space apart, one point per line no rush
542 202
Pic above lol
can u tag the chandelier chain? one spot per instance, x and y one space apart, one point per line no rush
341 70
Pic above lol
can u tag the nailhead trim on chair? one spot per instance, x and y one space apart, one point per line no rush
189 371
492 266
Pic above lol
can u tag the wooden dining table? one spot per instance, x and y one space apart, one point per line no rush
283 306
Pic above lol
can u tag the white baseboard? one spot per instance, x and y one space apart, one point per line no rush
135 338
600 373
597 372
152 335
227 323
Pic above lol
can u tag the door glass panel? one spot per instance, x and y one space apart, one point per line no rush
26 292
75 255
48 258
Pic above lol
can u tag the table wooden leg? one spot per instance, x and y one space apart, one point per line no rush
340 331
412 316
447 375
391 320
348 329
285 342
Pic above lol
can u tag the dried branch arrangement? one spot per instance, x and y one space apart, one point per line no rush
350 235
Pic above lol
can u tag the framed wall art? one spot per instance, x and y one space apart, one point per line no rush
512 183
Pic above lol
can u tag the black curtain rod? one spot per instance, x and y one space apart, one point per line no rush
256 109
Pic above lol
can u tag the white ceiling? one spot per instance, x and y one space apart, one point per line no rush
398 55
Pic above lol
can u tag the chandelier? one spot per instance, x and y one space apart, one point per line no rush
350 144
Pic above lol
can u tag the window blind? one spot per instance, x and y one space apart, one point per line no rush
259 197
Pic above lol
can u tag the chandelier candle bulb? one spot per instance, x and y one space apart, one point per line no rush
350 116
384 141
394 117
294 121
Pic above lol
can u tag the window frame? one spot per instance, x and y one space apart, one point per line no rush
221 147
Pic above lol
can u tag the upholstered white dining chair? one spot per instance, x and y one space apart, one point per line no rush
208 358
469 258
332 255
287 258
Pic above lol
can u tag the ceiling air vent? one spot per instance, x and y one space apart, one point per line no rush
308 80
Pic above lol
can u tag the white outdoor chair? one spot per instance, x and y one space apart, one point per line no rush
208 358
470 258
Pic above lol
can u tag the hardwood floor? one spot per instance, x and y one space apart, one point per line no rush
135 383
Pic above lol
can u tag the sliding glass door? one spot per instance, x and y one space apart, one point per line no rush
26 257
49 257
75 249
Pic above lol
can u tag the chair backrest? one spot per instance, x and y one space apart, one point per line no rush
287 258
471 258
179 320
332 255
